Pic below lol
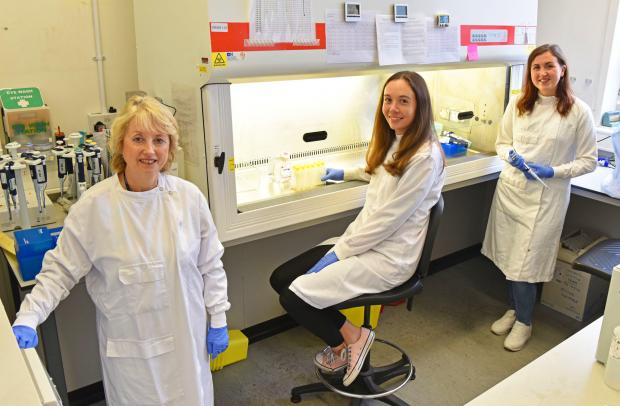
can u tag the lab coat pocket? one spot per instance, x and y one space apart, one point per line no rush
143 287
145 371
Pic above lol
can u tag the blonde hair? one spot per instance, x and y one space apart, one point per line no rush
149 114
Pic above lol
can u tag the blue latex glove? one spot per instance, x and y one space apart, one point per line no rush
543 171
26 336
516 160
328 259
333 174
217 341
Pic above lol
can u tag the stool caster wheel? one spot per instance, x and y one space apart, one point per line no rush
295 398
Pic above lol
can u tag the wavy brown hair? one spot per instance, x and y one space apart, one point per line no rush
563 92
419 132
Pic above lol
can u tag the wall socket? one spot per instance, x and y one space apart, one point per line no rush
105 118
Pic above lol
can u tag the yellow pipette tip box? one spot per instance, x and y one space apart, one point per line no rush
237 351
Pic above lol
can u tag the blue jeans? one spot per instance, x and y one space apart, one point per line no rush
522 297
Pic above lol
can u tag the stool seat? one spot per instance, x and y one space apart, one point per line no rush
600 260
412 287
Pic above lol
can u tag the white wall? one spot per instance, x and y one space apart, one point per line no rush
50 45
587 33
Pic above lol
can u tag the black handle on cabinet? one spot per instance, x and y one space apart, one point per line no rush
218 161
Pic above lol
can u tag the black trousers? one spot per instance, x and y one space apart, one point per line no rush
324 323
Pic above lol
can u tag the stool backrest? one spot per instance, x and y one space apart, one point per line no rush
429 241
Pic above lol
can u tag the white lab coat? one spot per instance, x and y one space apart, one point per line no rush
380 249
152 266
526 220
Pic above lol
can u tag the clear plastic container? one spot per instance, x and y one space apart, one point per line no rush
41 138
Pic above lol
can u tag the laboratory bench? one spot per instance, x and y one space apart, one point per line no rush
49 345
566 375
23 380
589 185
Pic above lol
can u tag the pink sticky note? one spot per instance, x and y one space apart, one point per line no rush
472 52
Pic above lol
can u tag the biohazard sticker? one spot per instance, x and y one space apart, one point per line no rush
219 59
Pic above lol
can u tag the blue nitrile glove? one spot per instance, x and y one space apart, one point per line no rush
333 174
516 160
217 341
543 171
328 259
26 336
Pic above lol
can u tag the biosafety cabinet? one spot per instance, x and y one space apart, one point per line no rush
259 131
269 139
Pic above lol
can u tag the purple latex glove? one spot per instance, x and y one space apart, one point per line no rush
543 171
26 336
333 174
328 259
217 340
517 161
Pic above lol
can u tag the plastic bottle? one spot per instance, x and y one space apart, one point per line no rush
612 368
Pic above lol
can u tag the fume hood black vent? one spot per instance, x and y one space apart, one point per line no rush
315 136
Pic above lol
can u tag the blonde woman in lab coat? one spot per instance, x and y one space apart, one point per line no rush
548 131
381 247
147 246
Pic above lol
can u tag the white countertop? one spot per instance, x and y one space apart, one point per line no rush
566 375
589 185
16 383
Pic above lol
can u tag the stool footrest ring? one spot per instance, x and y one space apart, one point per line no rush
372 378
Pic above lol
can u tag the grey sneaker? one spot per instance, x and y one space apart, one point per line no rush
518 337
356 354
328 361
503 325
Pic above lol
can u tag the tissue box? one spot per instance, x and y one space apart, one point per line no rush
30 248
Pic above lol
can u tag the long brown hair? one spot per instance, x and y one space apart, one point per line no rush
419 132
563 92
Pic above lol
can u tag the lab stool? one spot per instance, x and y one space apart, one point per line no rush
600 259
369 381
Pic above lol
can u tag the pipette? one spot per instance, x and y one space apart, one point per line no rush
528 169
5 188
30 161
81 176
10 174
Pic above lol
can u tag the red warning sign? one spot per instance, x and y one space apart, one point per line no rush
233 37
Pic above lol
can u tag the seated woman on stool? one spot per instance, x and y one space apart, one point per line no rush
381 247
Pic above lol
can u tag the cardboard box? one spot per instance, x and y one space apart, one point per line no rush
574 293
